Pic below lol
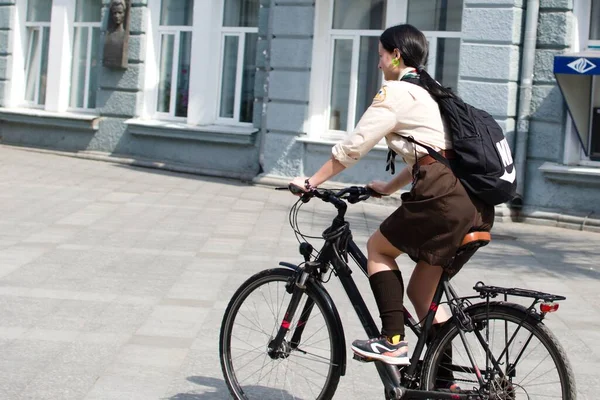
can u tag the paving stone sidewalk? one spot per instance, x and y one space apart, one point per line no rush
114 279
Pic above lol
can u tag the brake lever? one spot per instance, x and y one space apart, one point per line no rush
363 197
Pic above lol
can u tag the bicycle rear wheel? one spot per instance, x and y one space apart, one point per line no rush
309 369
532 365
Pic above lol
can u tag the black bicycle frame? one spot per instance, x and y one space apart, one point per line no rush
389 374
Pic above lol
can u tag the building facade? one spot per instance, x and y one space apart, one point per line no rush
262 89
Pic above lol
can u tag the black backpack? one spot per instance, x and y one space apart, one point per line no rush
483 162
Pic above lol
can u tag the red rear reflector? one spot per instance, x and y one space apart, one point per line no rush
548 307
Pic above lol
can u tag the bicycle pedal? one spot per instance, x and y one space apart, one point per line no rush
360 358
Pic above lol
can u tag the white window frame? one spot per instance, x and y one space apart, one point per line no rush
584 20
175 30
205 74
30 28
240 33
59 57
90 28
573 153
317 124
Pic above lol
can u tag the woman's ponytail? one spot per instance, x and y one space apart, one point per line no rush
434 88
413 48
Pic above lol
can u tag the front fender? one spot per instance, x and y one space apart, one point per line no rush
289 265
330 308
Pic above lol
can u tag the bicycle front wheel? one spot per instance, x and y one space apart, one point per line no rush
529 361
307 367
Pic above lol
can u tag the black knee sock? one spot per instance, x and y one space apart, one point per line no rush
388 289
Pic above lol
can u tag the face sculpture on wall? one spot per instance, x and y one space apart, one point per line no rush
117 35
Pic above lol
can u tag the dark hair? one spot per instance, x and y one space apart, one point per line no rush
413 48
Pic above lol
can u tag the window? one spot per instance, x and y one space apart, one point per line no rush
354 75
84 67
239 35
594 35
348 32
583 146
205 61
36 58
441 21
594 44
175 33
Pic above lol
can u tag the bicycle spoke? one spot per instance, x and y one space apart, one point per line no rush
311 336
538 364
257 326
303 366
248 363
266 301
257 315
252 329
313 355
255 349
260 377
298 373
313 348
541 383
524 354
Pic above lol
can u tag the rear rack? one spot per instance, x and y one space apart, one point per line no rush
494 291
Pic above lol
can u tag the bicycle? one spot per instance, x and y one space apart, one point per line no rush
463 351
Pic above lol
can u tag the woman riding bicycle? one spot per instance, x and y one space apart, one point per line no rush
437 212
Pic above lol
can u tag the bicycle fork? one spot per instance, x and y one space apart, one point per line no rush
277 347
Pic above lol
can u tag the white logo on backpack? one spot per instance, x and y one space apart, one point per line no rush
507 160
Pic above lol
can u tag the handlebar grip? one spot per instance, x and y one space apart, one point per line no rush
297 190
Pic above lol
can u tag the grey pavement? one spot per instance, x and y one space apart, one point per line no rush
114 279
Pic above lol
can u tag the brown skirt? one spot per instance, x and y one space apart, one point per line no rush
434 218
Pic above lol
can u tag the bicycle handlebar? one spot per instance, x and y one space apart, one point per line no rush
352 194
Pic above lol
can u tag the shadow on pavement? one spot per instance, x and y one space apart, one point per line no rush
182 174
223 393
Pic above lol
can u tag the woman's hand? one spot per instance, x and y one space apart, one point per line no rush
379 187
300 182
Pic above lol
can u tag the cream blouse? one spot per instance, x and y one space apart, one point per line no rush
399 109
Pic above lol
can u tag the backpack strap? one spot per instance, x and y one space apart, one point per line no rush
438 157
414 79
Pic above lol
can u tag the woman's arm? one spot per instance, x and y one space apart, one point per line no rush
402 179
376 122
331 168
399 181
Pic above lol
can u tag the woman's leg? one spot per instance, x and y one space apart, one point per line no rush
388 289
421 289
381 254
387 285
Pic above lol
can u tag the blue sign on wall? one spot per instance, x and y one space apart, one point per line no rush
574 65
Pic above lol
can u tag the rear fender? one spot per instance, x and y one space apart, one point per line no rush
477 307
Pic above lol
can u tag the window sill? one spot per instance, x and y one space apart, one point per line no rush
68 120
203 133
571 173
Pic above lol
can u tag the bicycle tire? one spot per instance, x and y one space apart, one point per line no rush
513 314
337 350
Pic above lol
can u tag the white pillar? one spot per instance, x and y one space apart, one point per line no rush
60 55
202 106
